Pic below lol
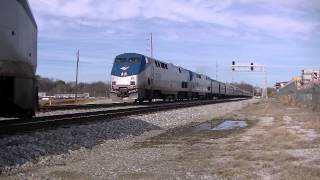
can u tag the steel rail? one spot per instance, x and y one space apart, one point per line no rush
95 106
30 125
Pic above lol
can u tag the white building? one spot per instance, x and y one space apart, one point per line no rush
310 75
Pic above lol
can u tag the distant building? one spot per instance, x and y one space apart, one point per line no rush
308 78
279 85
310 75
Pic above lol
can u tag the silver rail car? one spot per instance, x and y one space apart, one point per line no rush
18 59
135 77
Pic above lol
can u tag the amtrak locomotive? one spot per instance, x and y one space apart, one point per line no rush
18 59
135 77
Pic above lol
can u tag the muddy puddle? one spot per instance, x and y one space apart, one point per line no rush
224 125
196 133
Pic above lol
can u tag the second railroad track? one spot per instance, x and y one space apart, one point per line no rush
13 126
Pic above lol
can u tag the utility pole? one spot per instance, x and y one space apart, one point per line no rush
76 92
151 45
217 70
232 78
265 82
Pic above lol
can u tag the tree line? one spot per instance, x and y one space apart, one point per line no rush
55 86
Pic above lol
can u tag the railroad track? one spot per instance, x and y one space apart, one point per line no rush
14 126
94 106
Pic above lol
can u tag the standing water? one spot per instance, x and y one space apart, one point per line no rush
225 125
231 124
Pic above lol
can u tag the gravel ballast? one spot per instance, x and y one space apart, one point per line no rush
96 150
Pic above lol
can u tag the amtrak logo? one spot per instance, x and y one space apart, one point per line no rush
124 68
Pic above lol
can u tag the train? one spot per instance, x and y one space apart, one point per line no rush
136 77
18 59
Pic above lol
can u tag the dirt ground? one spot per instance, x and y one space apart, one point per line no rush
280 142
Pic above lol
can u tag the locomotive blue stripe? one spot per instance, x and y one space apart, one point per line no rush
130 68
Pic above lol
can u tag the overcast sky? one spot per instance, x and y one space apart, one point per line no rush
195 34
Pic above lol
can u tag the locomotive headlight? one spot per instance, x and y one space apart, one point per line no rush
114 83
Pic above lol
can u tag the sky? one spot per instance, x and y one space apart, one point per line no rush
199 35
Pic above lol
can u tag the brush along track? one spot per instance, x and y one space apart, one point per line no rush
24 125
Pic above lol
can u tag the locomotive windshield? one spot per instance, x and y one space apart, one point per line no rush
123 61
120 60
128 65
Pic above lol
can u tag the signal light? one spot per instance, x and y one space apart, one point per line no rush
233 63
251 67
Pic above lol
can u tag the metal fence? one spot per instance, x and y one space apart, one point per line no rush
307 96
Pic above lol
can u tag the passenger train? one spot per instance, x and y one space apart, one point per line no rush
136 77
18 59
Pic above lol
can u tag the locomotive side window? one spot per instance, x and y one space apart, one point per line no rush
179 70
184 85
161 65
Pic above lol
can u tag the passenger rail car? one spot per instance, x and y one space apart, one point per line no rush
18 59
135 77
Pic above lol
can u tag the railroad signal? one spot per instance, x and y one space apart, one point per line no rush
233 63
253 68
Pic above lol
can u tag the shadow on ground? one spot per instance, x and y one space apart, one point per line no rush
19 149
